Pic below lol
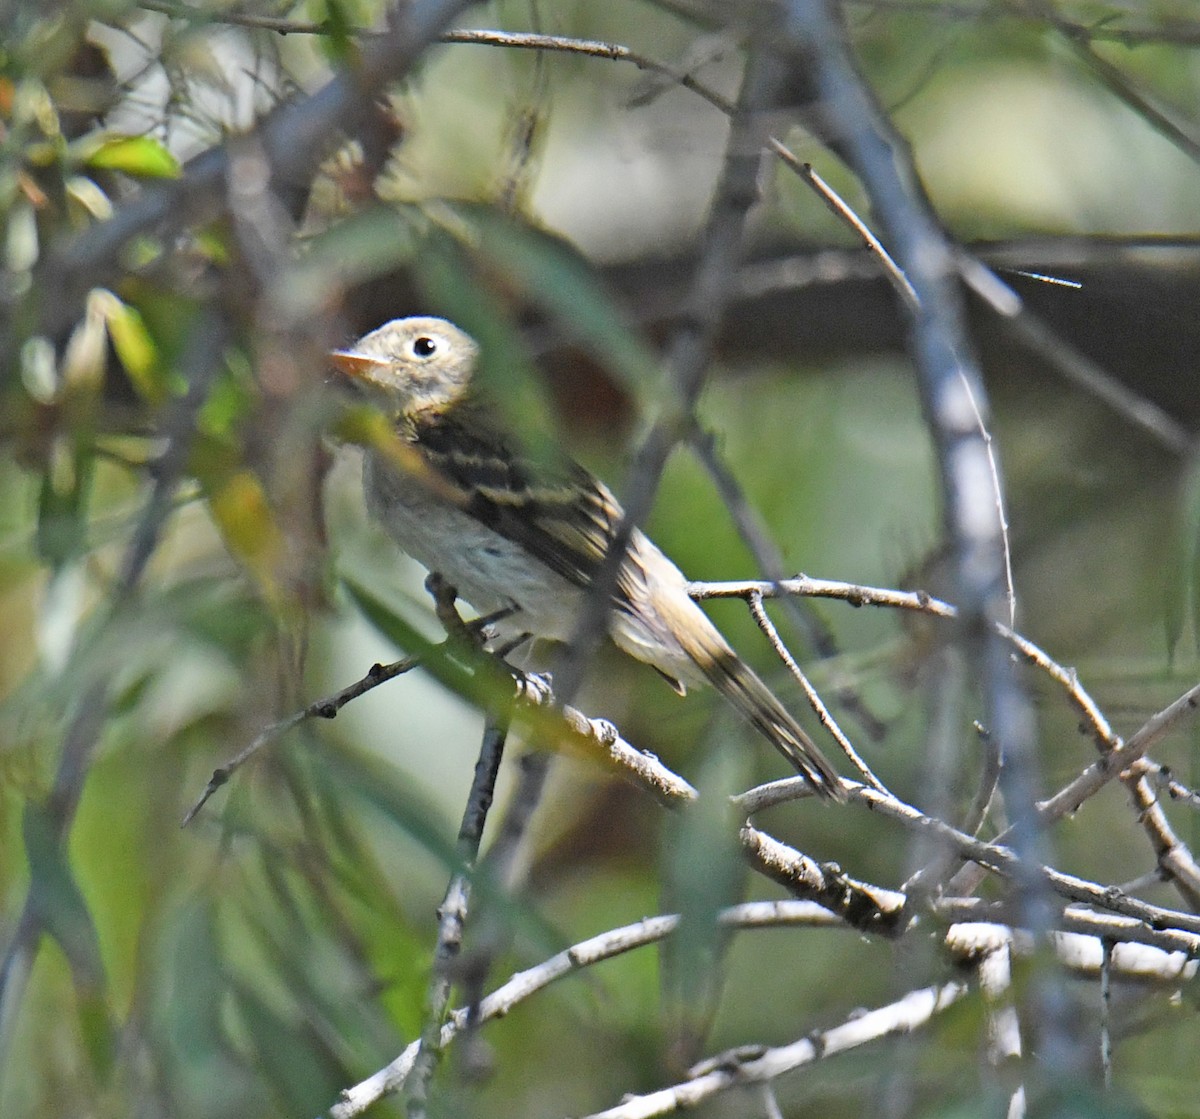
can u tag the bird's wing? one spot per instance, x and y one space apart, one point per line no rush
562 515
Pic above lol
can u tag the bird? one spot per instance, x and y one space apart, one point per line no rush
528 537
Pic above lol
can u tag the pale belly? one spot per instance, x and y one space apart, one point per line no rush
487 570
491 573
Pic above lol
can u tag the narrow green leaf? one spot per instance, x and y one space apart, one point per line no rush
289 1053
338 40
566 285
60 905
240 508
451 282
63 503
479 679
141 156
136 350
704 873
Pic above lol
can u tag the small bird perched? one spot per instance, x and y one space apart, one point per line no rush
509 535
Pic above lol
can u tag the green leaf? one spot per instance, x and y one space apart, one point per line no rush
63 503
141 156
136 351
556 276
288 1052
238 504
63 912
389 623
338 39
242 513
704 873
452 286
369 779
479 679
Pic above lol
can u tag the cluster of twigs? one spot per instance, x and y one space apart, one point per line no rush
1099 931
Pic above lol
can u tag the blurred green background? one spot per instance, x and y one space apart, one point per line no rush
279 948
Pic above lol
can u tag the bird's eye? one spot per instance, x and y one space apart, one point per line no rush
424 346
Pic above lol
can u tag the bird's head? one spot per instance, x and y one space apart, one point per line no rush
417 366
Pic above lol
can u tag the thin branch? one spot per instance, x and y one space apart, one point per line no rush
1175 32
1106 1049
324 708
452 915
771 565
1118 83
857 594
1142 954
966 940
868 908
912 1012
1172 31
249 20
1175 862
814 699
640 767
596 736
842 210
1116 761
993 856
1176 790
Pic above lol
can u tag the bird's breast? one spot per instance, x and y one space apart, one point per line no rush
487 569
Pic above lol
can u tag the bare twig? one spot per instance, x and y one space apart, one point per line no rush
770 563
734 1070
325 708
857 594
1118 83
452 915
1116 761
600 736
1175 862
814 699
994 856
845 214
965 940
1106 1054
867 908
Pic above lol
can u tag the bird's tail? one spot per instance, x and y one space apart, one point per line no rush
737 682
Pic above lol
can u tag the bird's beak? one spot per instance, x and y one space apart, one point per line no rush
358 367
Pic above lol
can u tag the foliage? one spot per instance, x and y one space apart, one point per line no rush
198 201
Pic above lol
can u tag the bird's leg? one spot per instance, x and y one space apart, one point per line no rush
477 632
445 598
